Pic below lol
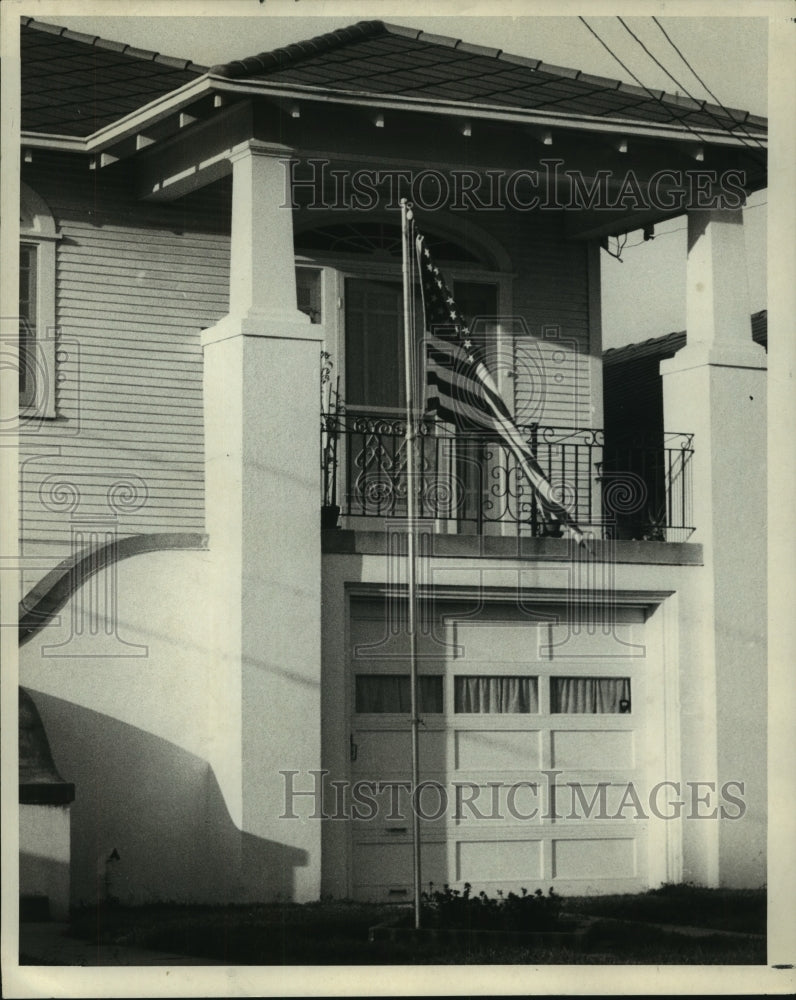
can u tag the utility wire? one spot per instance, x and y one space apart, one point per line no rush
679 119
689 94
668 108
700 80
669 232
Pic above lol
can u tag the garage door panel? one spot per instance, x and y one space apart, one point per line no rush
593 749
612 642
519 698
382 753
498 860
515 643
585 800
502 750
578 802
377 638
501 805
595 858
380 866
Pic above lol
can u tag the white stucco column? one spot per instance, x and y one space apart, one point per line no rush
715 387
261 377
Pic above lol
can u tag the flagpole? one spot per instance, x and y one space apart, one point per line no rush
411 548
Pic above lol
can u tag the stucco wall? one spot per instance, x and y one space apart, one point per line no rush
146 720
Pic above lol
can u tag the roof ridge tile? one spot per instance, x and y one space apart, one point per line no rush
599 81
106 43
276 58
145 54
478 50
509 57
630 88
570 74
50 29
79 36
444 40
400 29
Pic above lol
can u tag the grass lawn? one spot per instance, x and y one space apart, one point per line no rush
740 910
336 933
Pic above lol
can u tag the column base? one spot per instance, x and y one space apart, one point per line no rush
697 355
279 324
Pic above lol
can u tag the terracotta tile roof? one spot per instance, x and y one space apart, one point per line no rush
670 343
377 58
74 84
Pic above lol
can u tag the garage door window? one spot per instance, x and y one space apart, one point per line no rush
496 694
595 695
391 693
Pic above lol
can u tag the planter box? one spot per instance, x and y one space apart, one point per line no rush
399 929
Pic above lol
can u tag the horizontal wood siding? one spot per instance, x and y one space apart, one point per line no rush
550 293
136 283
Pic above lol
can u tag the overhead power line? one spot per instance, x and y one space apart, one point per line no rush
674 79
654 96
680 119
696 75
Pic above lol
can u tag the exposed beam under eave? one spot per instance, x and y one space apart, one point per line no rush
193 158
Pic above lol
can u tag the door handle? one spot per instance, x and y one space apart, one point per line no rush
353 748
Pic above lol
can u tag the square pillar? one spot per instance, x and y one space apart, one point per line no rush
716 387
261 379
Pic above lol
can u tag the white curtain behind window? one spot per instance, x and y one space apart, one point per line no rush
597 695
496 694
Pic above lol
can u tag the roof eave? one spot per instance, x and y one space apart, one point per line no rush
127 125
180 98
501 113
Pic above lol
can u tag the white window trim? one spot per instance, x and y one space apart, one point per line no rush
37 229
336 269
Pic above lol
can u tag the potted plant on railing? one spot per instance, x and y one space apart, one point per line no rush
332 410
654 529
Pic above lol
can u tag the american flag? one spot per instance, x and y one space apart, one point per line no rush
461 389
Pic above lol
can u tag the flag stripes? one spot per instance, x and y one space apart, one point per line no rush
462 391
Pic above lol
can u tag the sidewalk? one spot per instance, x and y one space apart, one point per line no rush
48 944
685 930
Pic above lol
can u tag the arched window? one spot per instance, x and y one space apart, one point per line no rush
37 332
379 239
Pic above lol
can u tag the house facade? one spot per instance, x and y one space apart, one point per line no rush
211 344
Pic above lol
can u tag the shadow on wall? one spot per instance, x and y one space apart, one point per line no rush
149 822
43 880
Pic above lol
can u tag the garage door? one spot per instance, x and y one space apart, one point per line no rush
532 751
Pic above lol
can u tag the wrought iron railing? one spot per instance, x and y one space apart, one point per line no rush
470 483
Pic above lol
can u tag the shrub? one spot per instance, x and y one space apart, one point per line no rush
452 909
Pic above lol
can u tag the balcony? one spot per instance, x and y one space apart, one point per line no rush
470 484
